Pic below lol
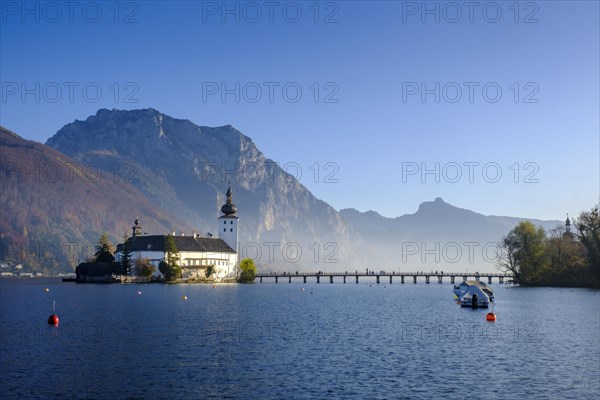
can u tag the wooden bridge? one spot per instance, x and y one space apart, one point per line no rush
391 275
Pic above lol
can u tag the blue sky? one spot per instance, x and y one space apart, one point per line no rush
370 62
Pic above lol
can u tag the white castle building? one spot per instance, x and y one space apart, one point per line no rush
196 253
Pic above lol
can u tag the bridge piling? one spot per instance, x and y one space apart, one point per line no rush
344 278
378 279
440 278
318 279
427 279
414 279
356 279
304 278
390 279
402 279
330 278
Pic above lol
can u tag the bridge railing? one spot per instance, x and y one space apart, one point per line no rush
385 273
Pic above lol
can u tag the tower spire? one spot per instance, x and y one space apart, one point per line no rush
568 234
228 222
136 228
229 208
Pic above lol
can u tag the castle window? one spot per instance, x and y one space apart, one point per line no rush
224 222
231 230
224 229
231 222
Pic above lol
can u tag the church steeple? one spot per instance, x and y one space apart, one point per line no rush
568 234
228 222
137 229
229 208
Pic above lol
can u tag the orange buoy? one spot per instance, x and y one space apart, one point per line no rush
53 319
491 317
46 290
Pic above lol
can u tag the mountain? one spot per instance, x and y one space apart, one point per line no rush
184 169
437 236
98 175
54 208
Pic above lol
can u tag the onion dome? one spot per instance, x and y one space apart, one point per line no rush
229 208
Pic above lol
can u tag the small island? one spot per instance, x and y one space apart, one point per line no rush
171 258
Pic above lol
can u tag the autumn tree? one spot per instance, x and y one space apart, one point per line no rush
143 267
104 245
565 260
248 271
588 233
522 252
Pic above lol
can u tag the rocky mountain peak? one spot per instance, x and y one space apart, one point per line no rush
185 168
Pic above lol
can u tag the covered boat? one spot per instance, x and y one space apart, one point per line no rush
461 289
475 297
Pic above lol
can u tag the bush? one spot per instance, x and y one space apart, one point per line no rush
209 271
248 271
170 272
143 267
247 276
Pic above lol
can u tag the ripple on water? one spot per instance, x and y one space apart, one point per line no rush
274 341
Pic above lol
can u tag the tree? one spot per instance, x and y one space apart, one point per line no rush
209 271
170 267
522 252
126 257
170 272
565 259
143 267
248 271
588 233
171 252
104 245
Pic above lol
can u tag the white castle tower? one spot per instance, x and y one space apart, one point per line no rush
228 223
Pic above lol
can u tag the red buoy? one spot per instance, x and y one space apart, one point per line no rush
53 320
491 317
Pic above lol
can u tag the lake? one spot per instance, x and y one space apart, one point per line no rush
277 341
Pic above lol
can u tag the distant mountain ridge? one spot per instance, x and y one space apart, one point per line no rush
173 174
437 229
435 211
